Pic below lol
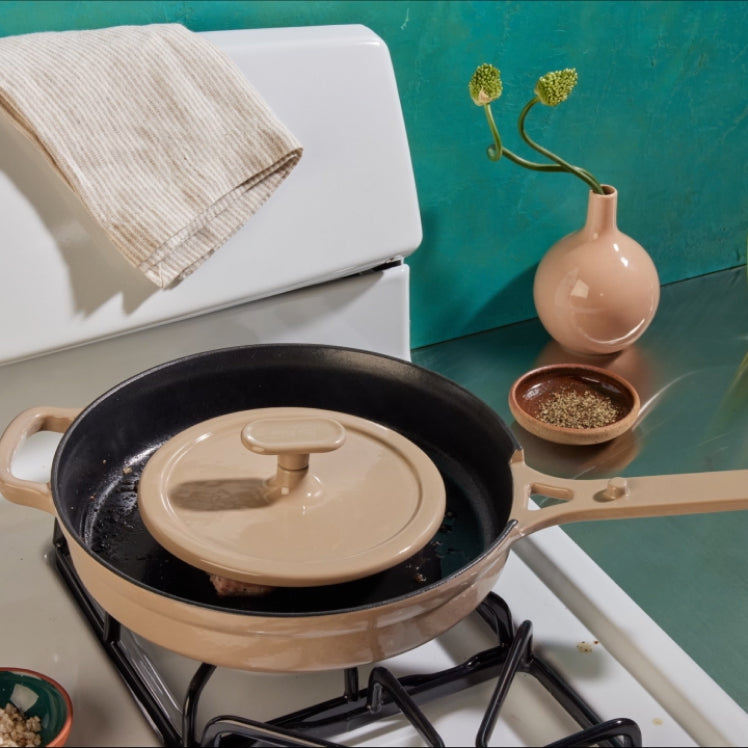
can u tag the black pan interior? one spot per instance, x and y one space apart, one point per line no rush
99 460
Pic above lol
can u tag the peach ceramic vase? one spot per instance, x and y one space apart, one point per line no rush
596 290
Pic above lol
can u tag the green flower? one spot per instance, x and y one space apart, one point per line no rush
551 89
485 85
555 87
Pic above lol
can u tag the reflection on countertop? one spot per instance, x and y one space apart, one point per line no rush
689 573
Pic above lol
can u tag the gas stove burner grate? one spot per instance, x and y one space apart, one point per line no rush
384 695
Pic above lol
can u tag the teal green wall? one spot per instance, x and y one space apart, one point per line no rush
660 112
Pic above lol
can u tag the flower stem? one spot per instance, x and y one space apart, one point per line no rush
497 150
494 151
583 174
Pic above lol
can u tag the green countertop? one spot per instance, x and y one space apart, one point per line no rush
690 572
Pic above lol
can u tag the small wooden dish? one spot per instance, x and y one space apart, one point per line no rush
574 403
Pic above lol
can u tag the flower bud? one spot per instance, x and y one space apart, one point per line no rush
555 87
485 85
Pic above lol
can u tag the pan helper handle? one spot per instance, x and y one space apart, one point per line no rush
292 439
27 423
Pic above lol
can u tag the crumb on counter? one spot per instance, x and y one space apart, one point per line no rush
586 646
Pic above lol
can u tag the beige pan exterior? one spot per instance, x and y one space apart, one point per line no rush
364 635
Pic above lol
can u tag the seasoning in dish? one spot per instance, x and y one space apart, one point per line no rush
570 408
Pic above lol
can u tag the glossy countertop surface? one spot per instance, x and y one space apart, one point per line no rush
688 572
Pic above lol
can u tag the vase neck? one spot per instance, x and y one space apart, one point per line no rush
601 211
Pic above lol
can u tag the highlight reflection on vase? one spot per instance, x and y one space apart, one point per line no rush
597 290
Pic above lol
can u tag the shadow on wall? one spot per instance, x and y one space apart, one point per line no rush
449 292
512 296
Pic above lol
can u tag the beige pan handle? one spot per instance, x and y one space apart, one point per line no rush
26 492
611 498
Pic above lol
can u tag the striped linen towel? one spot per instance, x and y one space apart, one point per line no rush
164 140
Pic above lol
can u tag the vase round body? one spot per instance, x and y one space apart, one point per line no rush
597 290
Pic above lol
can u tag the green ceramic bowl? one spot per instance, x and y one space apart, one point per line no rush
37 695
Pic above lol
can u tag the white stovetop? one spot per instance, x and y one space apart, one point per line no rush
619 660
657 685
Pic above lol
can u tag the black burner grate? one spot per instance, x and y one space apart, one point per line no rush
383 696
